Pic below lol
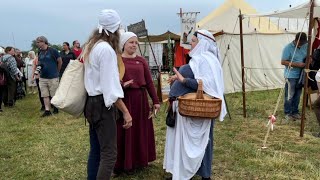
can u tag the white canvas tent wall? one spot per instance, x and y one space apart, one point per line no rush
263 44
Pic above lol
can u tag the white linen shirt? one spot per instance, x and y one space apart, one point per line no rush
101 75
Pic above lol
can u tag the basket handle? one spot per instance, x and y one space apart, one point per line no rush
200 90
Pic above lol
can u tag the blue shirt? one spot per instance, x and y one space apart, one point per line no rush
299 56
191 85
49 64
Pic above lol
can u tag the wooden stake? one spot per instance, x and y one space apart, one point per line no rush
307 67
242 69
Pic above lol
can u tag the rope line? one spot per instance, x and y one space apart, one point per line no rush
226 53
286 80
264 72
263 68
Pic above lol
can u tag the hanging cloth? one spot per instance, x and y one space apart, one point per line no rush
316 42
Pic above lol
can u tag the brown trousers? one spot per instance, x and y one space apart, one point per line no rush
103 138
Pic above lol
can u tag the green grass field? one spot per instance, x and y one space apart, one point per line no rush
57 147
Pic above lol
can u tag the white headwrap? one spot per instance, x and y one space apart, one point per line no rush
2 50
124 37
109 20
205 65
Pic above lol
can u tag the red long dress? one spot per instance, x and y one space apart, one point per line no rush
136 145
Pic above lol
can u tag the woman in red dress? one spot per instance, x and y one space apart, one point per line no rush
136 146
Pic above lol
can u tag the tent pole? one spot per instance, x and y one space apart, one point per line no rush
242 68
140 50
307 67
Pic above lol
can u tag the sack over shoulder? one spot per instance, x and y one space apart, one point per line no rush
71 95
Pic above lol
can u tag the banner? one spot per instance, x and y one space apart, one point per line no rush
188 27
164 86
138 28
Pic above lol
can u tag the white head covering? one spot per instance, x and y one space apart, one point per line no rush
2 50
109 20
32 53
205 65
208 43
124 37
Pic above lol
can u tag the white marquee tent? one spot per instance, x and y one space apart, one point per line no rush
264 40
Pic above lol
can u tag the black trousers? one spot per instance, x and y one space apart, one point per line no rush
2 88
10 92
103 138
39 93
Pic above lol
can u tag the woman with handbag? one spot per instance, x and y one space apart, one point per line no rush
189 143
136 146
101 80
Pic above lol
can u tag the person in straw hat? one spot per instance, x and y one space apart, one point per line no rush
189 143
102 83
136 146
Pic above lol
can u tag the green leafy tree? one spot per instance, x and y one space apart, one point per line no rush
56 46
35 48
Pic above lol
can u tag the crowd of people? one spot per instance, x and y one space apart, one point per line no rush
121 130
35 73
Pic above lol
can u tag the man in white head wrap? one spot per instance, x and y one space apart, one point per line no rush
189 144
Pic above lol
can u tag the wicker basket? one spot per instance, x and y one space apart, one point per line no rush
199 105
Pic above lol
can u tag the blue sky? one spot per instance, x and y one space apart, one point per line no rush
67 20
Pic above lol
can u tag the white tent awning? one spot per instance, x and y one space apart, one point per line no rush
300 11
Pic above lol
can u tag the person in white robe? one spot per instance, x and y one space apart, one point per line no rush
29 61
187 141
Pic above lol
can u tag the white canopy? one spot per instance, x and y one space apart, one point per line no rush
300 11
226 19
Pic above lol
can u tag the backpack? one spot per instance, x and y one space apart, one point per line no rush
3 73
4 66
50 49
